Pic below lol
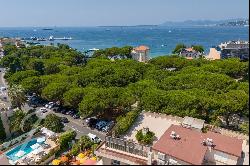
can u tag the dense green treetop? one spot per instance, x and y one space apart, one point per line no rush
53 123
197 88
124 52
178 48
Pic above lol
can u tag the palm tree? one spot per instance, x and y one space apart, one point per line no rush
15 121
17 96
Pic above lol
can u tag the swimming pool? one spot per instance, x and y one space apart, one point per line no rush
26 148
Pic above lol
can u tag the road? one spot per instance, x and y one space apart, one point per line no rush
74 124
4 93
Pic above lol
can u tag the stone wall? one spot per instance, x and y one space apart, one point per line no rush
46 162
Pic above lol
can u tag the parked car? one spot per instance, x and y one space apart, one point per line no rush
108 126
91 122
64 120
56 109
3 88
89 119
43 110
50 105
94 138
72 114
100 125
68 112
63 111
76 116
4 98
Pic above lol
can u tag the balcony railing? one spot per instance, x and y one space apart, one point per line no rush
127 146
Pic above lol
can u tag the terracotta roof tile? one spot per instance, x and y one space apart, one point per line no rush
189 147
142 48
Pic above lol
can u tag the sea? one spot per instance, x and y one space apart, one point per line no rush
161 39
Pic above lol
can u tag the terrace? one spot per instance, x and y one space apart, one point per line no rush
152 121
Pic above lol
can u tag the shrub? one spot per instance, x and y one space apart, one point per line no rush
124 122
65 138
53 122
145 139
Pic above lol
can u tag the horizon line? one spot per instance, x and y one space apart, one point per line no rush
68 26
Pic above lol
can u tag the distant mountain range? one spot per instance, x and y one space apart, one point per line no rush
229 22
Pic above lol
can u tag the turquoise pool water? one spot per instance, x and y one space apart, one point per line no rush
26 147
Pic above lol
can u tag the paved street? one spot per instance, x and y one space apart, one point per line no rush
4 93
74 124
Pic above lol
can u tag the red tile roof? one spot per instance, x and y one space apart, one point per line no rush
229 145
142 48
189 49
189 147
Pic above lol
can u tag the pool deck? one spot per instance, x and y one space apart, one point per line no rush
4 160
33 157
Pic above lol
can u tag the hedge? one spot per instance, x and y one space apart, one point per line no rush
124 122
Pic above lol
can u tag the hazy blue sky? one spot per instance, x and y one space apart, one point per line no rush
115 12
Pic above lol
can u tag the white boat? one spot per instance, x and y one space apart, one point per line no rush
93 49
51 38
63 38
169 31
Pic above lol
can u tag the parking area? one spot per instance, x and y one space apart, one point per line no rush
72 122
157 124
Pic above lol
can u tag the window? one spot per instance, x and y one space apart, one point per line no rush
115 162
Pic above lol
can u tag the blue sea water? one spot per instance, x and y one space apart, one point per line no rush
161 40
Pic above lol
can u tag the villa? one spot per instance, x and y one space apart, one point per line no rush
190 53
178 141
141 53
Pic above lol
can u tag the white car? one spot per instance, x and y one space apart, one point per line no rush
94 138
3 88
49 105
43 110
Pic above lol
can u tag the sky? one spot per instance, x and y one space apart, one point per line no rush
19 13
